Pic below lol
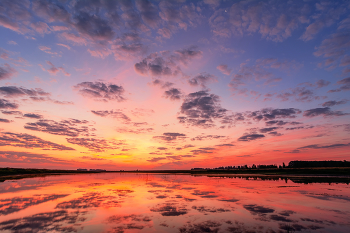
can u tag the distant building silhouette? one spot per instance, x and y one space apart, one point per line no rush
91 170
97 170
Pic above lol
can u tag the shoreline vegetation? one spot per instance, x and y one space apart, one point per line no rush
342 174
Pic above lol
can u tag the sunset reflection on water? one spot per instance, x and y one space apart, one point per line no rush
126 202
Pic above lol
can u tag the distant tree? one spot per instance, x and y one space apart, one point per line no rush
284 166
254 166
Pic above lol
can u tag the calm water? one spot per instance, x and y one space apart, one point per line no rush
171 203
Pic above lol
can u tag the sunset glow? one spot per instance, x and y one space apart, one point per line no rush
173 84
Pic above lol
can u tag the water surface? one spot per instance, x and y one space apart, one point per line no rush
124 202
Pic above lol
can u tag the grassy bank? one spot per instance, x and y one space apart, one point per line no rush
20 173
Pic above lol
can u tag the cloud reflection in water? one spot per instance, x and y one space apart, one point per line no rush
118 202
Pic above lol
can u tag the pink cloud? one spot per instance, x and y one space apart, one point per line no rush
53 70
101 53
46 49
59 28
40 27
64 45
224 69
5 22
6 72
74 38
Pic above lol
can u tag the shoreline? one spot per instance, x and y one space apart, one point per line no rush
332 173
294 178
279 171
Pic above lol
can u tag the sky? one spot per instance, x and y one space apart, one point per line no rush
173 84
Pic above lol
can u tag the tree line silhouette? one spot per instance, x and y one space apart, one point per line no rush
291 164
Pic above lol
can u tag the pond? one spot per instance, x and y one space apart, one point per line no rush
132 202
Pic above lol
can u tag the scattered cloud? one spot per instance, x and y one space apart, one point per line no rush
202 80
205 150
36 94
7 72
280 123
73 38
261 69
70 127
162 84
53 70
300 94
334 49
250 137
5 104
126 47
96 145
2 120
29 141
166 63
65 46
268 114
266 130
100 91
322 83
331 146
173 94
334 102
345 85
327 15
46 49
170 137
134 131
33 115
201 109
11 42
13 91
225 145
207 137
326 112
242 18
224 69
156 159
118 114
141 112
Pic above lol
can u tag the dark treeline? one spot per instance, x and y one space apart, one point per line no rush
291 164
330 163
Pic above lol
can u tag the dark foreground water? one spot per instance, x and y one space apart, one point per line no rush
118 202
